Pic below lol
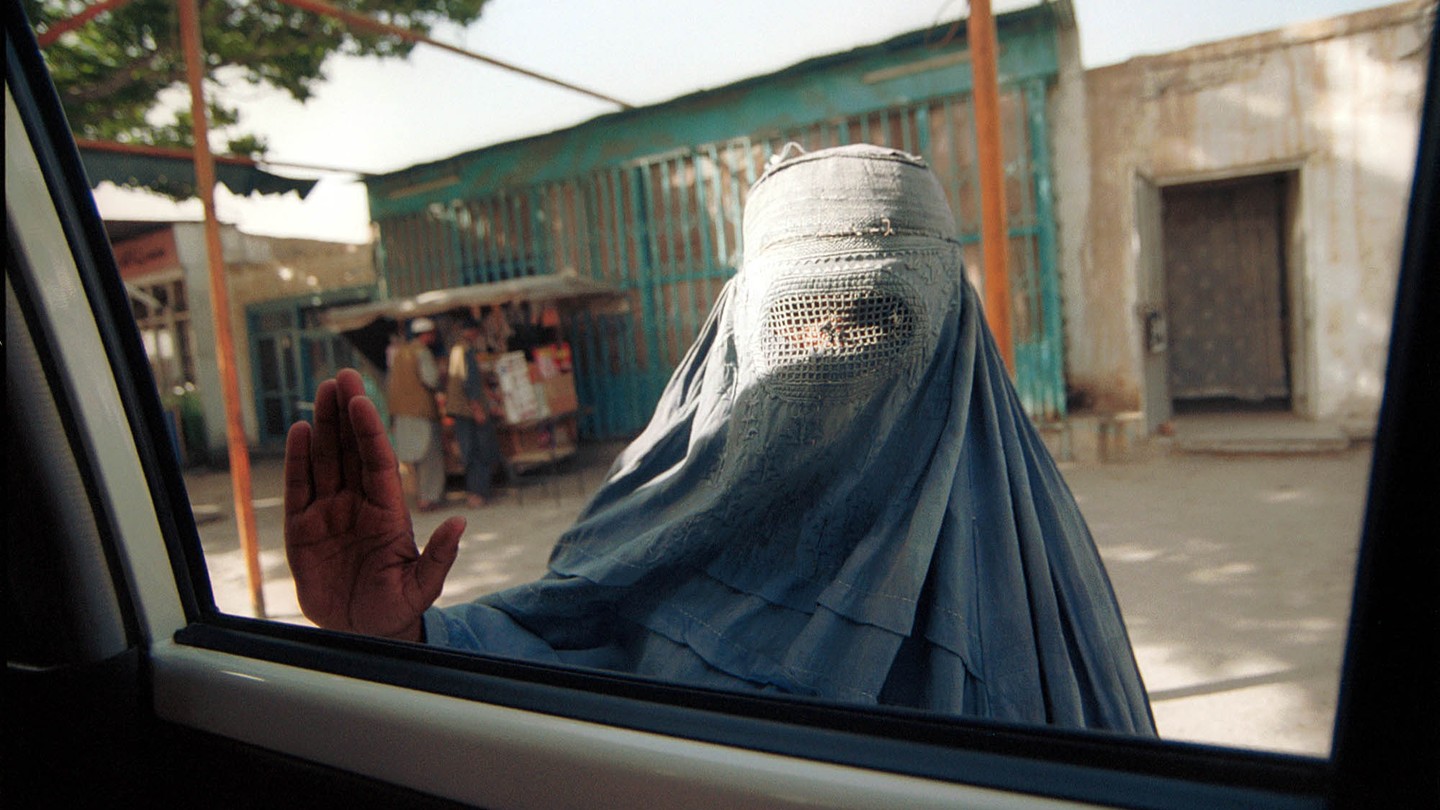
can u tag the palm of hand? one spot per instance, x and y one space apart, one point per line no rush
356 558
348 536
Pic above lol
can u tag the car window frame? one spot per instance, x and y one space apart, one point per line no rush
198 648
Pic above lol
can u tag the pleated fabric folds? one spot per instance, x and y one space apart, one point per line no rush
839 494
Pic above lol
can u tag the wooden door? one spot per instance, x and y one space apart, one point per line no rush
1225 291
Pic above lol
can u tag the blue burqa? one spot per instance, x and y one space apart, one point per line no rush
839 494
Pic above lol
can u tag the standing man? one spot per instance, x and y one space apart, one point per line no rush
467 401
414 416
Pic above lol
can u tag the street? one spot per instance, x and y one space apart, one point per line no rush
1234 572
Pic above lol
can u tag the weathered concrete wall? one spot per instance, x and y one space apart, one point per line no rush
195 264
1070 140
1337 102
271 269
258 269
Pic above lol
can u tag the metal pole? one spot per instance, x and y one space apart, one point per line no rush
220 304
64 26
994 236
362 21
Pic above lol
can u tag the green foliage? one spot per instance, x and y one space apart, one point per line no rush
111 72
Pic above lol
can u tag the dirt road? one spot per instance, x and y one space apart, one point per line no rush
1234 573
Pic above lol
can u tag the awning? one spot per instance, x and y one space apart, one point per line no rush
514 290
174 169
369 326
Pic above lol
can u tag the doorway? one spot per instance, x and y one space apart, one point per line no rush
1226 296
290 353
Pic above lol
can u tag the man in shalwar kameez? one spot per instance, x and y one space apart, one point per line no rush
839 494
410 390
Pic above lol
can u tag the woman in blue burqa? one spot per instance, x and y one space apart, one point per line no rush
839 494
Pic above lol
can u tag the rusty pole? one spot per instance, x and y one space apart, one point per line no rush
220 304
361 21
64 26
994 230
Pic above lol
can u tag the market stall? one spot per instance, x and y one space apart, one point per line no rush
527 360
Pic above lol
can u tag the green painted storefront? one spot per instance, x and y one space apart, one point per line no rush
650 200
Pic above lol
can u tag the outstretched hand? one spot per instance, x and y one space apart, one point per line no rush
348 535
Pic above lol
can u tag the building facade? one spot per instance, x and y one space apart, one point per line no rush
1217 227
1238 230
276 288
650 200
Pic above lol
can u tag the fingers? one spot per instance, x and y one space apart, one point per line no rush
437 558
348 387
379 473
324 442
298 489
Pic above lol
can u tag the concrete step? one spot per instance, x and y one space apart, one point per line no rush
1217 445
1121 437
1098 437
1279 433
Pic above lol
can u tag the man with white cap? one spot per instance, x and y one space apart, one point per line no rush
415 418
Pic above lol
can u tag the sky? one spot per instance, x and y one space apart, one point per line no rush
377 116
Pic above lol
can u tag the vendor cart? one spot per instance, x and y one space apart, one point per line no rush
535 400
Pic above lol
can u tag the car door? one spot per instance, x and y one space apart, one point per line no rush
123 681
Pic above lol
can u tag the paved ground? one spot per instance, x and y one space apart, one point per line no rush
1234 572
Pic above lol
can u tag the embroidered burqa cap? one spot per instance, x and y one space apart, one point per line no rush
839 494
